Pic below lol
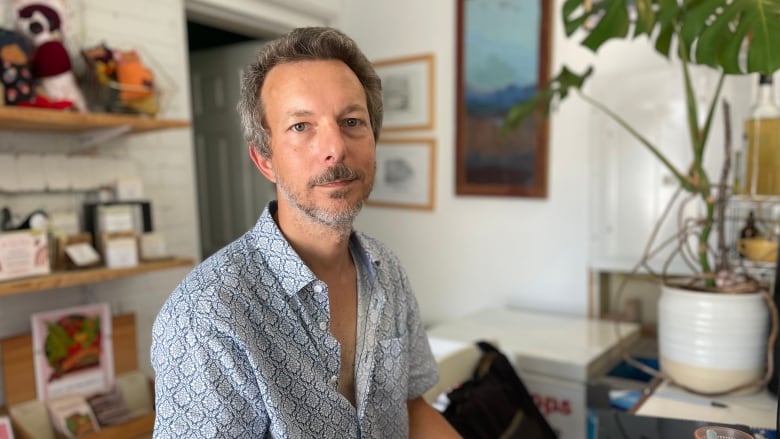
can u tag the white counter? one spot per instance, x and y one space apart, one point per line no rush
555 355
557 346
757 410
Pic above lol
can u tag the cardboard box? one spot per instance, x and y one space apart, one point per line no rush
23 253
119 249
29 416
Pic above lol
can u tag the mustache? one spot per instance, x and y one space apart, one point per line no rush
337 173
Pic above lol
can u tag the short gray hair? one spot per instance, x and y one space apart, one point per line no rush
307 43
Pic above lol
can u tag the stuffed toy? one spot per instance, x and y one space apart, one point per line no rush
16 78
121 81
136 83
40 22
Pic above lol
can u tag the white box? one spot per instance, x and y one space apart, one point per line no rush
23 253
555 355
120 250
115 218
153 246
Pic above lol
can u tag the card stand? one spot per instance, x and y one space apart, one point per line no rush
30 417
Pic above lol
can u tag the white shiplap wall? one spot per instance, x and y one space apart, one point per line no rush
163 159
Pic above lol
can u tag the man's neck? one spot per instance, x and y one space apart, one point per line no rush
324 249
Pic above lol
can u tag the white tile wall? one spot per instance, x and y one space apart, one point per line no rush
164 160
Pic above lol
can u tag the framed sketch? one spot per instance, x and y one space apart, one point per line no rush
503 57
404 174
407 92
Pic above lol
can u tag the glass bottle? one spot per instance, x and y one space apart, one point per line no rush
762 164
749 230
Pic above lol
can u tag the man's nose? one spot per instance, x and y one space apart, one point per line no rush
331 143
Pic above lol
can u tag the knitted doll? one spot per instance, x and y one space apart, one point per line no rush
40 22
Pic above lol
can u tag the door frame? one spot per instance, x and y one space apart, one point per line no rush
255 18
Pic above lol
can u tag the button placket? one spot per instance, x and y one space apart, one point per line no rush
322 299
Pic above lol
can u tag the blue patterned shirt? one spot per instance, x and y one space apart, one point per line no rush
242 347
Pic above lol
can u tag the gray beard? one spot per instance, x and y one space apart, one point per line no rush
341 221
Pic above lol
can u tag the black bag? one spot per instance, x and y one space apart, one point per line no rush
495 403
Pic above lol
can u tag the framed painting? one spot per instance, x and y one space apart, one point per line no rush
503 57
407 92
404 174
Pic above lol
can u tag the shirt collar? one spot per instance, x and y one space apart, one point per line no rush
291 272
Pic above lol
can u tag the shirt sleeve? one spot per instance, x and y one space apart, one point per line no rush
202 386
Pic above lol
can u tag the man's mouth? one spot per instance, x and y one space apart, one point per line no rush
338 175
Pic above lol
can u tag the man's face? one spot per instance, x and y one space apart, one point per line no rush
323 153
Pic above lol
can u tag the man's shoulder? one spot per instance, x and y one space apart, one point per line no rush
234 271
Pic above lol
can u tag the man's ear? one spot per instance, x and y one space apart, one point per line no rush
262 163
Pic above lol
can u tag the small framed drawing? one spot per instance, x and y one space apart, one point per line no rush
404 174
407 92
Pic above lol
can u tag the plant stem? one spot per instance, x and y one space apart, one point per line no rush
699 138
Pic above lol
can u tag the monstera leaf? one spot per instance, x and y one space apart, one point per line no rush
736 36
710 32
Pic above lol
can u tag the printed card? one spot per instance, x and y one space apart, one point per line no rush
72 351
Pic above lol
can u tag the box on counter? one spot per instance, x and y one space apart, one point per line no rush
555 355
23 253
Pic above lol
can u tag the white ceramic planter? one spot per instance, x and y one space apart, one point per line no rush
712 342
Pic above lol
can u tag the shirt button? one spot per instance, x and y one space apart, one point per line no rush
323 325
334 379
317 288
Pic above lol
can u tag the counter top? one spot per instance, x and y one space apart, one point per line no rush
757 410
555 345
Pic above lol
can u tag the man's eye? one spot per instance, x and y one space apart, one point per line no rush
299 127
352 122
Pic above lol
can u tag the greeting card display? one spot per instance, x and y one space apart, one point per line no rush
72 351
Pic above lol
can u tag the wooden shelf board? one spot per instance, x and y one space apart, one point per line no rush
40 119
86 276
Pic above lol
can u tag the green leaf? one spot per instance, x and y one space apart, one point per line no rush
557 88
645 17
720 30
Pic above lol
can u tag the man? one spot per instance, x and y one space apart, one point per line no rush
301 328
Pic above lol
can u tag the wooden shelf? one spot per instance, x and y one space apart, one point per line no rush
46 120
84 277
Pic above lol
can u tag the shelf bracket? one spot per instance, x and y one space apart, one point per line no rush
95 137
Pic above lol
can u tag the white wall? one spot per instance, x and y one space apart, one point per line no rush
471 252
474 252
163 159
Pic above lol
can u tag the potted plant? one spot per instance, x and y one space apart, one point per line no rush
734 37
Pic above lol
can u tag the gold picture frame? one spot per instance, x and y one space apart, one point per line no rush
405 174
407 92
